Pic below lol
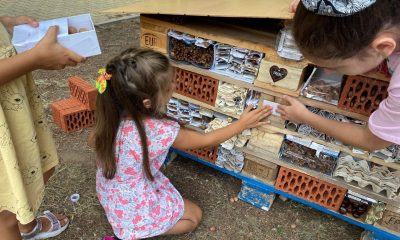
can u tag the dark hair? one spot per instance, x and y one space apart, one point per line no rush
343 37
137 74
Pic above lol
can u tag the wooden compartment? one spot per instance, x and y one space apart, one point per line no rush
152 35
280 75
391 219
260 170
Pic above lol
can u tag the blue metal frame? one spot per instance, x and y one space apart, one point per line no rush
378 233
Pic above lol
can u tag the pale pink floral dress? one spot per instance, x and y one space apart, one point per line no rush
135 206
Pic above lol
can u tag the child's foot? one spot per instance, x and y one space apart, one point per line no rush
47 226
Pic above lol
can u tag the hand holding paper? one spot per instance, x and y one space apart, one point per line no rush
51 55
83 42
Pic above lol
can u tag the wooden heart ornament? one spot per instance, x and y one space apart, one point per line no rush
277 73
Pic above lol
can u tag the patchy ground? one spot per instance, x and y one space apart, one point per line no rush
209 188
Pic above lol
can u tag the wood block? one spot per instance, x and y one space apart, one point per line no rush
264 171
276 121
266 141
153 40
283 76
391 219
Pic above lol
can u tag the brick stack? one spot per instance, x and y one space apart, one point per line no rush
76 112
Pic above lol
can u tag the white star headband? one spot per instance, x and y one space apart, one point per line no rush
337 8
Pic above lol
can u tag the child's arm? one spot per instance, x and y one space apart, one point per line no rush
352 134
188 139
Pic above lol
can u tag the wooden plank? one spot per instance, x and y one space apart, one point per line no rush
390 220
267 97
332 180
277 9
153 27
153 40
276 90
279 75
341 148
239 37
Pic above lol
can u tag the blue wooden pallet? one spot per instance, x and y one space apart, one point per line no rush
378 233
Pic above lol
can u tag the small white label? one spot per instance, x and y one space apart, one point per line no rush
301 141
358 151
274 106
324 149
349 193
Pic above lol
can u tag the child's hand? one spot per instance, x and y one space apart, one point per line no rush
51 55
295 112
10 22
253 118
293 6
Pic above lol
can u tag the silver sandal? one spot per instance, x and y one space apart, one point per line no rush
55 228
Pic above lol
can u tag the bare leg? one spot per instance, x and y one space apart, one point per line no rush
47 175
9 226
190 220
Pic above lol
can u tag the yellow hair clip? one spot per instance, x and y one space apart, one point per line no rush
101 82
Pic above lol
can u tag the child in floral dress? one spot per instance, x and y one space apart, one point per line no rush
132 140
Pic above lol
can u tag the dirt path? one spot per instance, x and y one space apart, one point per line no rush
209 188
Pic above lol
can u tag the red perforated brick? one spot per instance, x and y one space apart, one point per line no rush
362 94
310 188
196 86
83 91
208 154
71 115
